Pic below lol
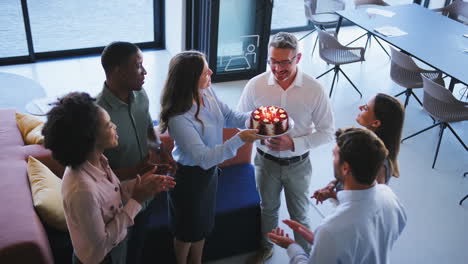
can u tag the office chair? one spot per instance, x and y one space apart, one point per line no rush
322 14
440 103
332 52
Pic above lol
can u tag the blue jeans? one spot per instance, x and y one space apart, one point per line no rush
271 179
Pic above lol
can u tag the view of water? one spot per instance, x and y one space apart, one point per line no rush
71 24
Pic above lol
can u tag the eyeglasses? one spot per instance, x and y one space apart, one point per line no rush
284 63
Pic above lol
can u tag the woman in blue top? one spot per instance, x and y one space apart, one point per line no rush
195 118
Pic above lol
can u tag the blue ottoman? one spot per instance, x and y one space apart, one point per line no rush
237 225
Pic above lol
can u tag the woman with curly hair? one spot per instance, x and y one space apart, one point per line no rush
195 118
384 115
98 208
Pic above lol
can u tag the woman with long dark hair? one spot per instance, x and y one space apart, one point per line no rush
195 118
98 208
384 115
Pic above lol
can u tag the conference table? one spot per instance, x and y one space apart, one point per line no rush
432 38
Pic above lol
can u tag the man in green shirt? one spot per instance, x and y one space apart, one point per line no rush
124 98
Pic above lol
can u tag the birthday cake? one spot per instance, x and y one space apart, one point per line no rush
269 120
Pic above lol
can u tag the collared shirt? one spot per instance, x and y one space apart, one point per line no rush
96 218
133 121
363 229
306 103
197 145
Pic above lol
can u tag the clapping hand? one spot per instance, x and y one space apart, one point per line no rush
302 230
149 184
324 194
278 237
146 164
162 183
166 158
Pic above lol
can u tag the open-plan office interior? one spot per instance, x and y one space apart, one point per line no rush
50 48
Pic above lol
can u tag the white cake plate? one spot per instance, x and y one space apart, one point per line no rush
290 127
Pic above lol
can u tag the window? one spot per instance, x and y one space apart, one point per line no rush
64 25
288 14
60 28
12 35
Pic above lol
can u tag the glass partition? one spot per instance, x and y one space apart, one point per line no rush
238 41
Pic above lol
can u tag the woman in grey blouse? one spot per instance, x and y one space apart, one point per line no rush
384 115
195 118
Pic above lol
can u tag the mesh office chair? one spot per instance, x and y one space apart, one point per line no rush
332 52
405 72
457 10
440 103
322 14
358 4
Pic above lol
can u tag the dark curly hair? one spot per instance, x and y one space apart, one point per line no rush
71 128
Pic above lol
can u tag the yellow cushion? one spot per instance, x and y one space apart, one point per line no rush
35 136
30 128
46 193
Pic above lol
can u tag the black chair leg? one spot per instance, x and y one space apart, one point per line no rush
464 94
306 35
421 131
329 70
464 198
367 43
415 97
380 44
315 44
333 82
400 93
420 103
408 94
456 135
347 78
442 128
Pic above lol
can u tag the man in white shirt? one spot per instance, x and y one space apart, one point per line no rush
283 162
369 218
